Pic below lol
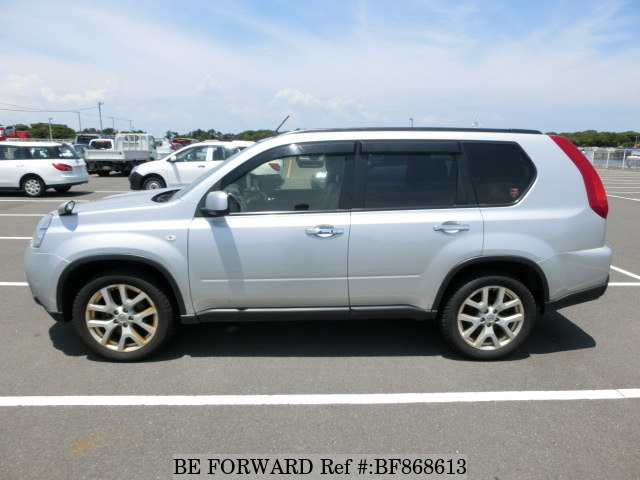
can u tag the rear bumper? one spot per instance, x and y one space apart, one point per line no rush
581 296
135 181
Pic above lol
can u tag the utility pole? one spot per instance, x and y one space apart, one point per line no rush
411 119
100 114
113 124
50 134
79 122
130 127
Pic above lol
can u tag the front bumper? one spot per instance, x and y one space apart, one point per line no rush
135 181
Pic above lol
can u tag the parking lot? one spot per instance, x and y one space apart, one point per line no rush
589 349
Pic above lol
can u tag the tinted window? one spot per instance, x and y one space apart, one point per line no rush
410 180
9 153
501 172
39 153
281 185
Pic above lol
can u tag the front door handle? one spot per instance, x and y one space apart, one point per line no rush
451 227
324 231
200 166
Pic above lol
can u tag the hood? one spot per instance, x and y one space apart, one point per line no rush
122 201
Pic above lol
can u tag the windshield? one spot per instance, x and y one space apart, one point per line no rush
203 178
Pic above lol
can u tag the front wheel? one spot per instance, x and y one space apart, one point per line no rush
123 316
33 187
153 183
488 316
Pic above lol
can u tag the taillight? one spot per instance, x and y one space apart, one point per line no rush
62 167
275 166
592 183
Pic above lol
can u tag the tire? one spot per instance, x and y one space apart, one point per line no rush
33 186
145 336
64 189
103 173
153 183
473 319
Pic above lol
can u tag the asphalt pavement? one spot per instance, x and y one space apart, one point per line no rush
589 347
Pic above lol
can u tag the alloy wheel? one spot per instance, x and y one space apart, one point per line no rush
490 318
121 317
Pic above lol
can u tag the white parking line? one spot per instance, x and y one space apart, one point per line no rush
618 269
319 399
15 238
625 198
14 284
22 214
41 200
113 191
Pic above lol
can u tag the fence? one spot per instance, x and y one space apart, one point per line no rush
618 158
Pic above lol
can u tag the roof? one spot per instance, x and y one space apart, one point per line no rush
417 129
33 144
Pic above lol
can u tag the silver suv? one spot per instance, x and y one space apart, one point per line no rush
479 230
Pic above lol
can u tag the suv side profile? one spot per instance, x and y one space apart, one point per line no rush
473 228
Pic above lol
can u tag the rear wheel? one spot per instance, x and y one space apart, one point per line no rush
62 189
124 316
33 186
488 316
153 183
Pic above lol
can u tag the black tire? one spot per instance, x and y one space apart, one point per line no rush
33 186
153 183
461 292
166 319
103 173
64 189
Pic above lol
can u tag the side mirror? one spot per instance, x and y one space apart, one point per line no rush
217 203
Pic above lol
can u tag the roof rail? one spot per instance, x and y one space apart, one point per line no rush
419 129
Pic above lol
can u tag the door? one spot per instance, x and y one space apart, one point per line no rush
12 166
188 165
414 219
284 243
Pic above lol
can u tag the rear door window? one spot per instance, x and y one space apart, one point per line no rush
397 180
501 172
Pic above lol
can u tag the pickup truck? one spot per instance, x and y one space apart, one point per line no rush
129 150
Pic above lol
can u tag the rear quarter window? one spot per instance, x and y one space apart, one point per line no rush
501 172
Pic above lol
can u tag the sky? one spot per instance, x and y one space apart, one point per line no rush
247 64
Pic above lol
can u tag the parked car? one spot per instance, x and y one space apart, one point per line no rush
120 154
164 148
33 167
85 138
310 161
178 143
480 230
181 167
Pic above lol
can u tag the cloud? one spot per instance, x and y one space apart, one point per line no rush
233 66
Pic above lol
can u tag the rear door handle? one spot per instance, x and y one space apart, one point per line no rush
324 231
451 227
200 166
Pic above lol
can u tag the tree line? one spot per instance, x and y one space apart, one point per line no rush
593 138
585 138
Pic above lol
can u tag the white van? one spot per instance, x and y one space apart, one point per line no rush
35 166
184 166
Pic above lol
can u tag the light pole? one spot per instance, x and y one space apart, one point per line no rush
411 120
130 127
100 114
113 124
79 122
50 134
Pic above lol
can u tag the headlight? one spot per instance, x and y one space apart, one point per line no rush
41 230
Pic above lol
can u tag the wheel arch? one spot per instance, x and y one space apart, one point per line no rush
78 271
524 269
26 176
153 175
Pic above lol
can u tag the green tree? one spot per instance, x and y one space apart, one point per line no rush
58 131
